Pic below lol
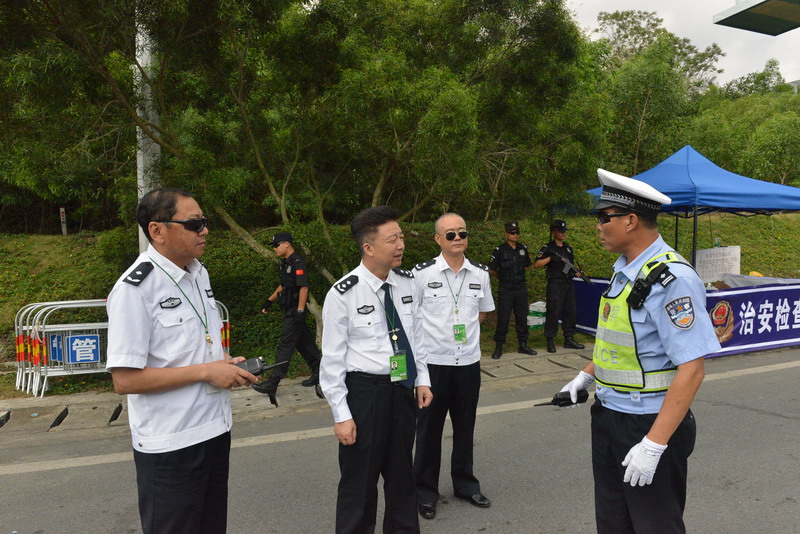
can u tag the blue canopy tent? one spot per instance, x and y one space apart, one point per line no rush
697 186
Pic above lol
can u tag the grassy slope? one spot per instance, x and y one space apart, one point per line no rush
41 268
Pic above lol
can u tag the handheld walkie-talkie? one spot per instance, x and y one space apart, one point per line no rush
562 399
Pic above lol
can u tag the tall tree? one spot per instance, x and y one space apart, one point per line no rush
652 105
630 33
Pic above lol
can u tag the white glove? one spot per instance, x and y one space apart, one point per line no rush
582 381
641 462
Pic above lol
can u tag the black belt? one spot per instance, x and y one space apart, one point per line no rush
368 376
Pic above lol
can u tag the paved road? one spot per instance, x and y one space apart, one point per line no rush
533 462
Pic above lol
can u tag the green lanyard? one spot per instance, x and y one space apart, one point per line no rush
455 295
204 323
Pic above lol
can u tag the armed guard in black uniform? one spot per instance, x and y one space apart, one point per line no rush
558 258
292 295
509 262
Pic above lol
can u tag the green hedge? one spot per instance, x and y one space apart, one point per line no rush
37 268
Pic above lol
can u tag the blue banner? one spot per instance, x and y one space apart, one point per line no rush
744 319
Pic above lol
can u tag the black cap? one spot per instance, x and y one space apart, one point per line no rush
512 227
559 225
280 237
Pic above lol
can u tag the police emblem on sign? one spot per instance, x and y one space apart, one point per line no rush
681 312
722 321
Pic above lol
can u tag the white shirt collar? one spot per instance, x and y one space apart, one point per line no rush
170 268
441 263
374 282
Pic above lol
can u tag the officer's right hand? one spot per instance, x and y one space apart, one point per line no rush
345 432
582 381
265 306
225 375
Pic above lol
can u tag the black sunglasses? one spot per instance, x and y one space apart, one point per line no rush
463 234
276 245
513 232
604 217
193 225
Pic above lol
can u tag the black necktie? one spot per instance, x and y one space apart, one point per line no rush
396 328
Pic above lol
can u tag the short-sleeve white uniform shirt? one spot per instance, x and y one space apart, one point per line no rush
152 324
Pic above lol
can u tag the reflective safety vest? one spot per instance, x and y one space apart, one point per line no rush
615 357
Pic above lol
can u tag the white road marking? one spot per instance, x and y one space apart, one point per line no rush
327 432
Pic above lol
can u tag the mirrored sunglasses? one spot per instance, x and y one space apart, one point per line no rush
463 234
604 217
193 225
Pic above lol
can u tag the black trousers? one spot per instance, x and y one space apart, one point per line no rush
455 390
185 491
621 508
385 415
560 304
507 300
295 336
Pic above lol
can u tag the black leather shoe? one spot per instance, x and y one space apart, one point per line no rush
479 500
570 343
498 351
551 344
268 388
525 349
313 380
318 391
427 510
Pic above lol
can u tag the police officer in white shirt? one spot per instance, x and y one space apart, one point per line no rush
652 335
165 353
454 297
369 359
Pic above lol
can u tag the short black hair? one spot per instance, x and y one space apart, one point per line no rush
158 205
365 224
649 220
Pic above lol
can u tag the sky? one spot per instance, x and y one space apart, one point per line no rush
745 51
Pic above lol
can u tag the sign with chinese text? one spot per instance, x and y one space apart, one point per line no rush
744 319
83 349
712 263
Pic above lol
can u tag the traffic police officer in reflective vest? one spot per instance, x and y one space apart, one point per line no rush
509 262
292 294
652 334
558 259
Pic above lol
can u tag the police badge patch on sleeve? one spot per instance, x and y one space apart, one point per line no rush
681 312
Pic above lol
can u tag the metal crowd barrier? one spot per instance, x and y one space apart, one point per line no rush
46 348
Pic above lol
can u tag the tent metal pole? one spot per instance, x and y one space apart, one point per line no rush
694 239
676 230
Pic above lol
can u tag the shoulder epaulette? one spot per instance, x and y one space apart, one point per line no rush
479 265
424 264
137 275
346 283
403 272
